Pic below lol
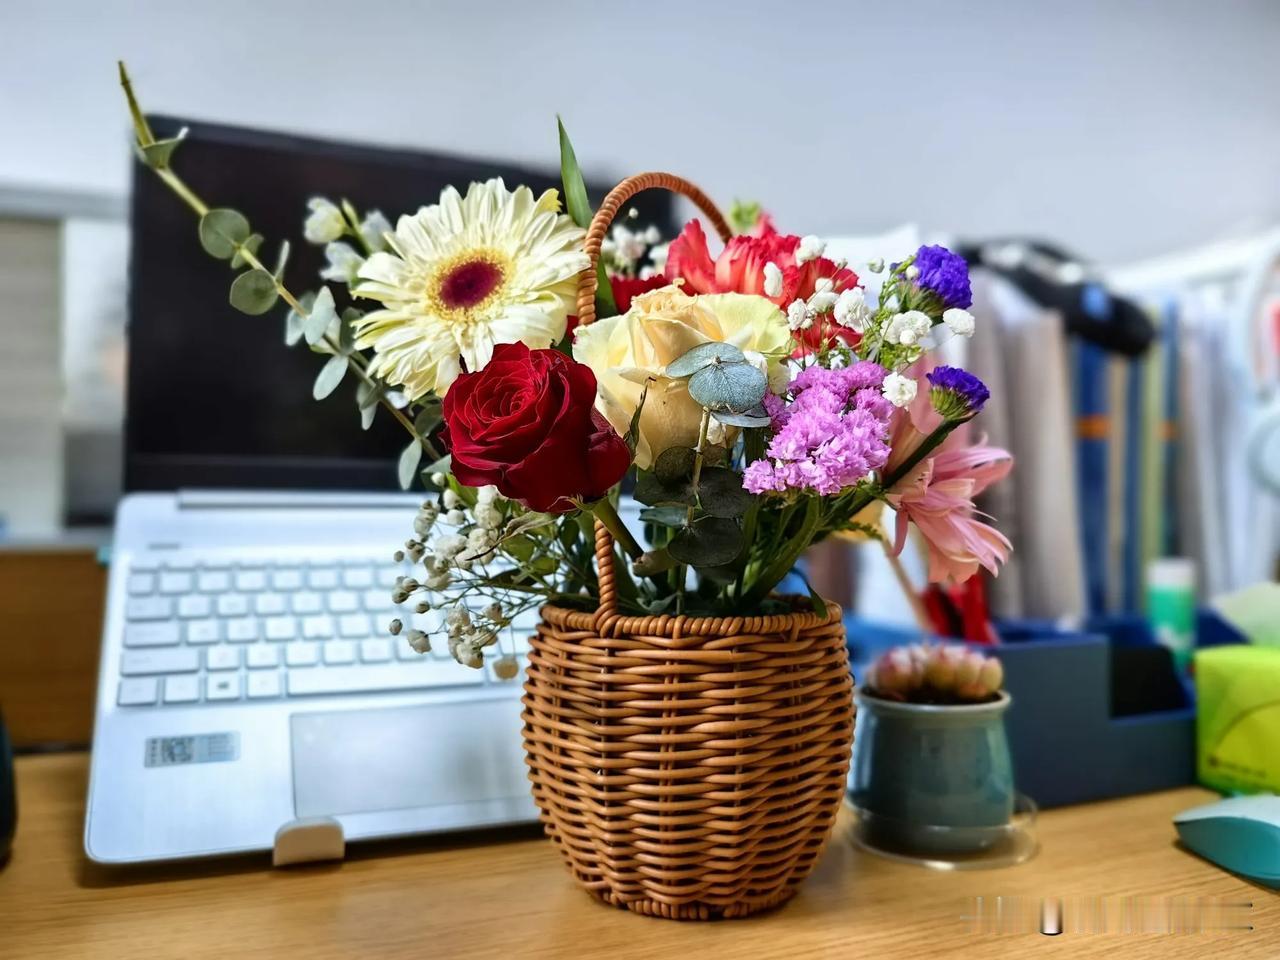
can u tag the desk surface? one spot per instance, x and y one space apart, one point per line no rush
508 896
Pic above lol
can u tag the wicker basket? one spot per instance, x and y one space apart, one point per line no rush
686 767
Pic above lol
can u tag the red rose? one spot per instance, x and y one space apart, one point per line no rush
527 424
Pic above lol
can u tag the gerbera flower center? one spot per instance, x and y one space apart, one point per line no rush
470 281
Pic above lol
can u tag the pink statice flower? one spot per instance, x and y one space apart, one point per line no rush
832 433
937 496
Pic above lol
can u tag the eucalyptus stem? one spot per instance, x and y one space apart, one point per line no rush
355 362
681 570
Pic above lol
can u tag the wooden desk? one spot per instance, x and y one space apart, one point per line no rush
507 896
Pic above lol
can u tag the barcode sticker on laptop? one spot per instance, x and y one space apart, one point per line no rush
201 748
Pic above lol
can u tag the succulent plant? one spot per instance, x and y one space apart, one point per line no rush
934 673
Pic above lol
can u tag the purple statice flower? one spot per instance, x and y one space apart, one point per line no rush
832 434
956 394
944 278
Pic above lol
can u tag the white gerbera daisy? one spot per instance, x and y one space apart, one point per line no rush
465 274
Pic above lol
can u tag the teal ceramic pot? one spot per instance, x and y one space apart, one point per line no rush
931 778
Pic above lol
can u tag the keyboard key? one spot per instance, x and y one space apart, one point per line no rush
339 651
259 657
242 630
194 605
521 643
357 578
137 693
251 581
179 561
264 685
318 627
233 605
144 563
343 601
355 625
323 680
375 651
140 583
387 575
302 654
378 600
286 578
270 604
406 652
280 628
215 563
307 602
140 663
202 631
224 686
158 633
213 581
175 582
322 578
182 689
148 608
222 658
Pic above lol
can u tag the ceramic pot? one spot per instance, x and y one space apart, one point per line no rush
932 778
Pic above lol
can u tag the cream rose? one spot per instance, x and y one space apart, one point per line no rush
628 351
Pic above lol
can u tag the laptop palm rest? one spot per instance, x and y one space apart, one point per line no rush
451 755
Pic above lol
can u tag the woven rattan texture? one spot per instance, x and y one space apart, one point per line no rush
687 767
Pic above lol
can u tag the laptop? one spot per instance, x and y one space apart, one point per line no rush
247 679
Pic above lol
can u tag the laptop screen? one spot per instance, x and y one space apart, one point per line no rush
214 397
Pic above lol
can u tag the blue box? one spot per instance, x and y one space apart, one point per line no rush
1066 744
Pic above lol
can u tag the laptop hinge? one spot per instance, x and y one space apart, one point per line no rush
293 499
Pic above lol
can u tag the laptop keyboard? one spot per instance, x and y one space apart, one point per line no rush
212 629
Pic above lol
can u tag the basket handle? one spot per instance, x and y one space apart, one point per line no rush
600 224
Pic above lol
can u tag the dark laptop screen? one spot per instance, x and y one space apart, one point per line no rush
215 398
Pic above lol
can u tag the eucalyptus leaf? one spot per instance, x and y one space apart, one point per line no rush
254 292
443 465
665 516
292 328
674 464
347 330
652 562
703 355
367 395
752 418
428 417
158 155
710 542
329 377
720 493
653 492
282 259
578 206
221 231
633 429
409 461
728 387
366 416
322 314
252 244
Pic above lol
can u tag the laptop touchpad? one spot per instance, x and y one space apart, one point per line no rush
361 761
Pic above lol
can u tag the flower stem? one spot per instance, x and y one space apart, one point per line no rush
605 512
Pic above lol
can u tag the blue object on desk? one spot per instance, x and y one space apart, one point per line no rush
8 793
1240 834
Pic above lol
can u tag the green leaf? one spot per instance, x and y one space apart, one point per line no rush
652 562
443 465
157 155
254 292
665 516
322 314
292 328
428 417
710 542
633 429
674 464
578 206
752 418
347 332
720 493
221 231
744 215
282 259
728 387
815 600
251 245
329 377
703 355
653 492
367 402
409 461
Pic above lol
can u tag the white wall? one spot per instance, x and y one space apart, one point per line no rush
1122 127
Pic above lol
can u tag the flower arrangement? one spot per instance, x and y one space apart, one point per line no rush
755 402
934 673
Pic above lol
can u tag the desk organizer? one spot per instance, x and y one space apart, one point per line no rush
1067 741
